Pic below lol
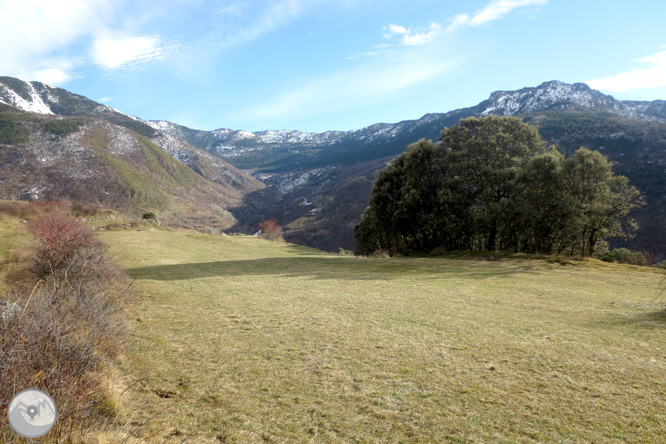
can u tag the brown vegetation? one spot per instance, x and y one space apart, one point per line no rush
68 325
270 230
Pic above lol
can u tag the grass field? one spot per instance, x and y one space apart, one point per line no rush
235 339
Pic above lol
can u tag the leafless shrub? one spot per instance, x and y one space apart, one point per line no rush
649 258
31 210
80 209
71 325
20 210
270 230
661 288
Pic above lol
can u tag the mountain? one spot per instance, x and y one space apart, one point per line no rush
281 151
104 157
325 179
319 183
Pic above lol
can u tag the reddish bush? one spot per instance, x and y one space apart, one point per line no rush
270 230
71 323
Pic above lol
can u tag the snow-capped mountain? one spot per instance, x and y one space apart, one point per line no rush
236 145
38 97
559 95
334 171
554 95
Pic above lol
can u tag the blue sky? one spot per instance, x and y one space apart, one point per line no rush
317 65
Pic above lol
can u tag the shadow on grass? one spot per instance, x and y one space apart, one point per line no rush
651 319
324 267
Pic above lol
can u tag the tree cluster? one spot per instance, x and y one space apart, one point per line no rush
493 184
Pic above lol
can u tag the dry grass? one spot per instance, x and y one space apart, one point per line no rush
243 340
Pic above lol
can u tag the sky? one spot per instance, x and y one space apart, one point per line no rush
318 65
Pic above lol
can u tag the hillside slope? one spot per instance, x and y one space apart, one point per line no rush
49 157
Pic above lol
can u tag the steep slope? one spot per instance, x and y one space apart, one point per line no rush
41 98
244 195
51 157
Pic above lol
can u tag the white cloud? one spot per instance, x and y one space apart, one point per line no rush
32 30
651 77
114 51
494 11
413 38
104 99
394 29
418 58
59 71
38 38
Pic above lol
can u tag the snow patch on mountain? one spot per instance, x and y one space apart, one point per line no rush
34 105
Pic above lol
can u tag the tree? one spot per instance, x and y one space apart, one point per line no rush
540 211
484 155
270 230
492 183
600 201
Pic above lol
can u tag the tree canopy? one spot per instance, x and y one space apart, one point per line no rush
492 183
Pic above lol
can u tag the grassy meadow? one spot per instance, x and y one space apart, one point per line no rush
240 340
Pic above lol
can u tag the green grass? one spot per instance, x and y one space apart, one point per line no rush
243 340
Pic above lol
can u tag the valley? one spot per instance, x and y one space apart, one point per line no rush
317 184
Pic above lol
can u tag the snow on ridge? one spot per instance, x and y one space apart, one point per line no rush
531 99
35 105
160 125
295 136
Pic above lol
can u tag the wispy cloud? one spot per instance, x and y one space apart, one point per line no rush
494 11
653 76
366 84
33 31
250 21
420 55
38 39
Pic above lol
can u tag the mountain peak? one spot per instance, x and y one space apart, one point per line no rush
555 94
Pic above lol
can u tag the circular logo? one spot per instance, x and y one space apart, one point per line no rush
32 413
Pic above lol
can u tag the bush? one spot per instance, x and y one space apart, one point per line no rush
626 256
270 230
31 210
79 209
344 252
149 216
20 210
71 325
380 254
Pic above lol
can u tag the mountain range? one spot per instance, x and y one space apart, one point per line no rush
317 184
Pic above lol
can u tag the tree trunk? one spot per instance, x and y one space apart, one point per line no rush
492 236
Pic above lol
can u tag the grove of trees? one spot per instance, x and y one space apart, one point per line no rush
492 184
